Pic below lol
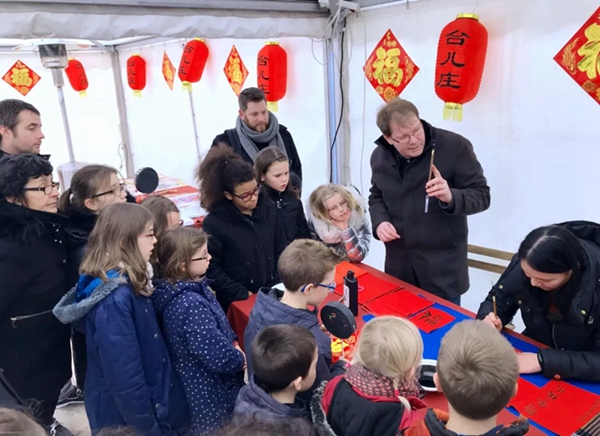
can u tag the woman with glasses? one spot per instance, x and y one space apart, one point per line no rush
246 238
337 216
34 345
92 188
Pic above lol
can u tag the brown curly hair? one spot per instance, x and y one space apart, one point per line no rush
221 171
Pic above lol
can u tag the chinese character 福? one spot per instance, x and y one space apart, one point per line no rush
387 67
590 64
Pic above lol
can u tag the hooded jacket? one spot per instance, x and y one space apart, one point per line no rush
79 228
434 424
268 310
244 249
34 345
290 212
433 245
575 339
201 345
255 402
353 243
129 381
340 409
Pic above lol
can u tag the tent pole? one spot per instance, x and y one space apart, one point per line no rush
122 108
194 124
59 83
332 106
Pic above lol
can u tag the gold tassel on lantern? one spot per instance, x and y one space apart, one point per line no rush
273 106
187 86
454 111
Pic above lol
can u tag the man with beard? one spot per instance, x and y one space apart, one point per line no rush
257 128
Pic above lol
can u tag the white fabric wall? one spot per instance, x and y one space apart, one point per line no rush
160 122
534 130
94 120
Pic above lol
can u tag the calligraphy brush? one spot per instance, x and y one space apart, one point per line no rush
494 300
429 177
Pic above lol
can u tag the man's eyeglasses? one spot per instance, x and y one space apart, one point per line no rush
45 189
248 196
116 190
406 138
330 287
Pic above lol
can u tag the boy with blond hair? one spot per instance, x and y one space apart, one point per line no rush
477 370
307 270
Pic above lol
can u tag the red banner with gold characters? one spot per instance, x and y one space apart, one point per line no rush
389 69
580 57
21 77
168 70
235 71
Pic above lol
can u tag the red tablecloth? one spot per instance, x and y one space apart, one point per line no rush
239 313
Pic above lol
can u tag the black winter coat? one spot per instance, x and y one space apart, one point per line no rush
34 345
574 340
231 138
79 228
244 249
290 212
433 246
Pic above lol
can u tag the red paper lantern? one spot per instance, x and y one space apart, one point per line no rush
193 61
136 74
459 66
77 77
272 73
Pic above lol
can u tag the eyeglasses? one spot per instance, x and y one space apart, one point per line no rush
248 196
342 206
330 287
116 190
406 138
200 258
45 189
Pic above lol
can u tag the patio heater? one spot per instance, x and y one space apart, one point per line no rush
53 54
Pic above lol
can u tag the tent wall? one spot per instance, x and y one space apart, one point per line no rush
100 22
160 122
533 129
94 120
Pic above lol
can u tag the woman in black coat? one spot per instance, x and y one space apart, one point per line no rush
246 238
92 188
554 280
34 345
272 171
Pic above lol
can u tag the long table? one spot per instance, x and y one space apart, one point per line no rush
239 313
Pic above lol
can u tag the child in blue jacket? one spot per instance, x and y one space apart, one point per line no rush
129 380
202 344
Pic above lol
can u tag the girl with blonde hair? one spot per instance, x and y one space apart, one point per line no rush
204 348
378 395
129 380
337 216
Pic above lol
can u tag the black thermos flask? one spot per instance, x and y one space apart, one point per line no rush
351 292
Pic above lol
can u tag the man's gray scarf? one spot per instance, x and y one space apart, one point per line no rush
249 138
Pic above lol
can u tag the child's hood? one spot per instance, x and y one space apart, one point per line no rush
83 297
165 292
329 233
254 400
268 310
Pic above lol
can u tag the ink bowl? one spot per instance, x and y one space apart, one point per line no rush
428 368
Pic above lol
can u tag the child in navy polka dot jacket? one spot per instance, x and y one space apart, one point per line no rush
202 345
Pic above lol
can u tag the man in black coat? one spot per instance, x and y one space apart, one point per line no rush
20 128
420 200
257 128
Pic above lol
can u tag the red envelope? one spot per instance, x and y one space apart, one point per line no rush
558 406
431 319
343 268
402 303
369 287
